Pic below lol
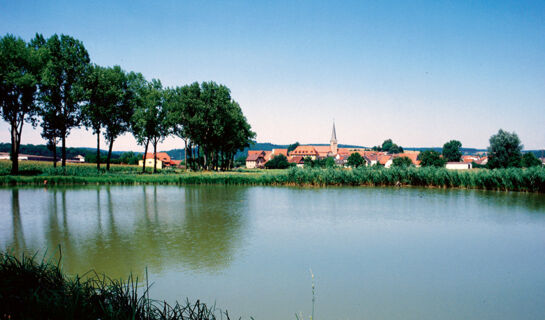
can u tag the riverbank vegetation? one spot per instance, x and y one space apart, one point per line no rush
510 179
31 288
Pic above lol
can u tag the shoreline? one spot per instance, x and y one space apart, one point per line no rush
513 179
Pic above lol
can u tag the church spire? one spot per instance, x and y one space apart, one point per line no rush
334 134
333 142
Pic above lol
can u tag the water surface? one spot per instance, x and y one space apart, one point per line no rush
377 253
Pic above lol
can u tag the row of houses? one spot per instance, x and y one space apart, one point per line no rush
258 158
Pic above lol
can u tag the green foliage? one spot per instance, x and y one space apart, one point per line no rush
530 160
328 162
278 162
402 162
431 158
355 160
32 288
18 85
63 78
504 150
209 118
390 147
451 151
293 146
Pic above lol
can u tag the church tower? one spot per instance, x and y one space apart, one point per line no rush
333 142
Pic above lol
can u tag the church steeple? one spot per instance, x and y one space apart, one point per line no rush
333 142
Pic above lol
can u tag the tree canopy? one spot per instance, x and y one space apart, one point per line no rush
431 158
530 160
451 151
504 150
18 84
355 160
402 162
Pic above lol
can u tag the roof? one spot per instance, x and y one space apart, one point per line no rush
163 156
280 151
304 150
334 134
383 158
411 155
296 159
267 155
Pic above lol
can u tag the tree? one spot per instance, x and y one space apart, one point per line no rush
278 162
530 160
293 146
119 104
355 160
142 116
402 162
62 84
389 147
386 145
451 151
431 158
18 80
94 113
394 149
329 162
504 150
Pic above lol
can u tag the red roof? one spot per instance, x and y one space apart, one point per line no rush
280 151
296 159
304 151
162 156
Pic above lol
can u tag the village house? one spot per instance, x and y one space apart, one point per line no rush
163 160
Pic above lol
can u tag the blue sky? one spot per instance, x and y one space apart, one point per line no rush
419 72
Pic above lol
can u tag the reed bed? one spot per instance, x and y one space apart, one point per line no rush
38 289
512 179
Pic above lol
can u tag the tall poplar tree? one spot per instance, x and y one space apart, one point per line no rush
62 85
18 80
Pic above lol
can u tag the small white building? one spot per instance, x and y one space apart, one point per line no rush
459 166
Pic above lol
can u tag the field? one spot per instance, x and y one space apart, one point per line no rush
513 179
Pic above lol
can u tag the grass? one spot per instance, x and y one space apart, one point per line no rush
32 289
512 179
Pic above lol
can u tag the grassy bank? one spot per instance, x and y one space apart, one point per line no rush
38 289
513 179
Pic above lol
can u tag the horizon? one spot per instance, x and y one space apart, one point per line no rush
420 74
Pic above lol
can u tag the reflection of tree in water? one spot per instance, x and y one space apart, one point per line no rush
18 235
199 228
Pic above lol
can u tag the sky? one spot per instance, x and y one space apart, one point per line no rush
418 72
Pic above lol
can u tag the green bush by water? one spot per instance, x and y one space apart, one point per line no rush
32 289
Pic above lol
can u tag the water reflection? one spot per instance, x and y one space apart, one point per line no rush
128 229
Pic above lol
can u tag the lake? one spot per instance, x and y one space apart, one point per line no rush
376 253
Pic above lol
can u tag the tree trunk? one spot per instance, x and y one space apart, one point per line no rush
109 154
14 150
63 149
98 150
54 153
185 154
155 156
145 152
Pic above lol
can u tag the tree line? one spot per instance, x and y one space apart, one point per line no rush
52 83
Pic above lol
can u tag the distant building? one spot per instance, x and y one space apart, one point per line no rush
459 165
163 160
255 159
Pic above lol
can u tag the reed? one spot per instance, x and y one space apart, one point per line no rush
31 288
512 179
